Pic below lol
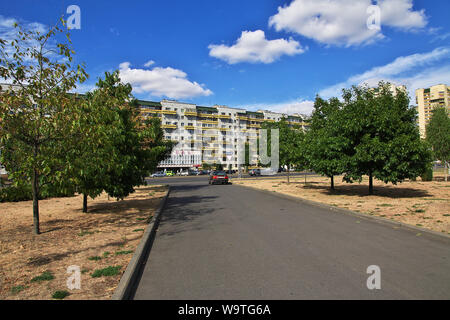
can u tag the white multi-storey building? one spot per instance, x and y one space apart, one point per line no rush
210 134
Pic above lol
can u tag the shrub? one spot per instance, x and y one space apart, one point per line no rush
24 193
16 193
427 175
60 294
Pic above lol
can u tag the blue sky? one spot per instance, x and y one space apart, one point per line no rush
255 54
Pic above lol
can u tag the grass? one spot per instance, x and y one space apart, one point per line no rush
420 211
140 219
386 205
106 272
45 276
95 258
137 230
84 233
60 295
123 252
106 254
17 289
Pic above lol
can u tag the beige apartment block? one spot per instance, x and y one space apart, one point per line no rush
429 98
211 134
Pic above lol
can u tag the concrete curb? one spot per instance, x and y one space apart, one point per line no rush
353 213
123 290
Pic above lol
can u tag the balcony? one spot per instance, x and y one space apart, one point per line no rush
189 127
169 126
190 113
208 121
223 116
207 115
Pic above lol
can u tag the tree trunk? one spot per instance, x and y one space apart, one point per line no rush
370 183
35 191
305 177
332 182
85 203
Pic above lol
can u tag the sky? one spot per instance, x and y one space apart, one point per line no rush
276 55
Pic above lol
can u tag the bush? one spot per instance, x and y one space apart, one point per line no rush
24 193
60 294
16 193
427 175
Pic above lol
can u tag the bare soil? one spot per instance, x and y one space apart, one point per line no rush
110 231
422 204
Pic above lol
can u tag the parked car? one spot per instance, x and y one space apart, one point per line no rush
218 177
158 174
184 173
169 173
254 172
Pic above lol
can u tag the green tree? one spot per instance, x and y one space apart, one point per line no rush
38 116
292 151
325 142
384 139
438 135
121 149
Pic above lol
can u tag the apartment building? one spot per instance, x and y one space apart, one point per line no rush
210 134
429 98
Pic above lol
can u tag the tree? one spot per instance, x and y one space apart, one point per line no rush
384 141
120 149
38 116
438 135
292 151
325 142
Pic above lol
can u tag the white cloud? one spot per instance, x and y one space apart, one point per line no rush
344 22
161 82
299 106
397 72
253 47
149 63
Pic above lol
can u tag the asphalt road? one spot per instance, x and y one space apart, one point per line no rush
229 242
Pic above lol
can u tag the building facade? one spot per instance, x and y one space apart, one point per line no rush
210 134
429 98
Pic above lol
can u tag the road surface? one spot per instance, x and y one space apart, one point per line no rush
230 242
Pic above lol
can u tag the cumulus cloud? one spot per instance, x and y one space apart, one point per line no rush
162 82
253 47
397 72
344 22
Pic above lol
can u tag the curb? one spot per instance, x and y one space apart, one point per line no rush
129 277
350 212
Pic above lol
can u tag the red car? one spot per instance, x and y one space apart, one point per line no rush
218 177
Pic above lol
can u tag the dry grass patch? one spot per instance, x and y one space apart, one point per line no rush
102 239
423 204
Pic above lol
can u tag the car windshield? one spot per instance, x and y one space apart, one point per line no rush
220 173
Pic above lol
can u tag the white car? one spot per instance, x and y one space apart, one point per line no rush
184 173
158 174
